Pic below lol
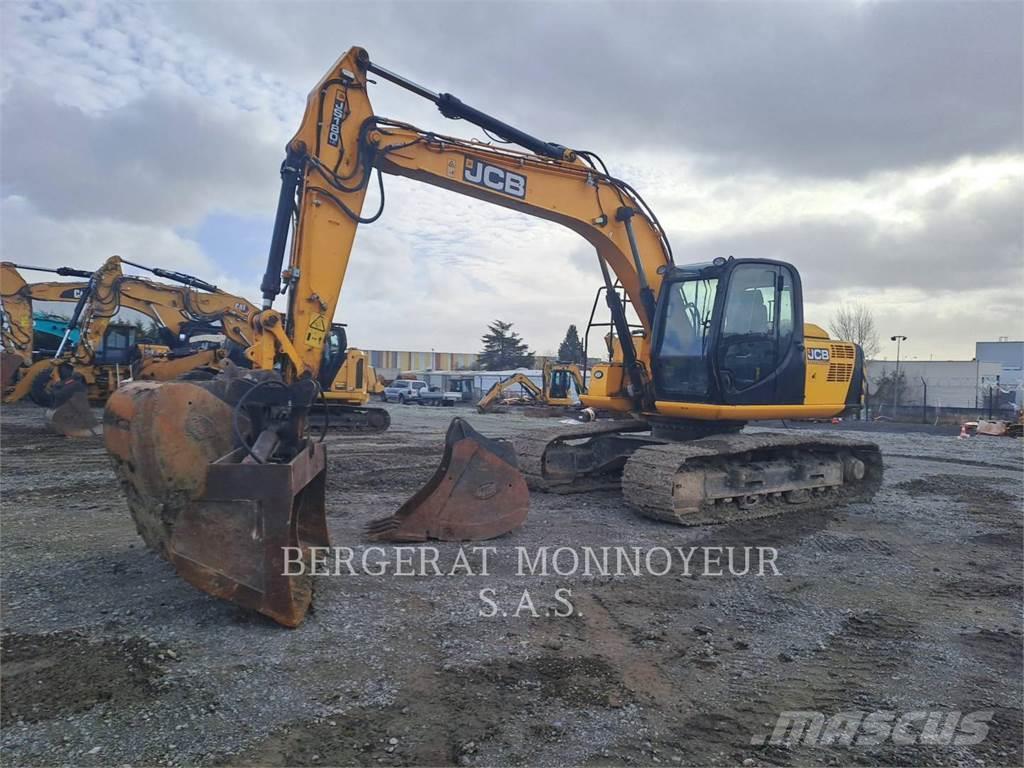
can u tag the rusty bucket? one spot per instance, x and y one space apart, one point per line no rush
223 521
252 526
476 493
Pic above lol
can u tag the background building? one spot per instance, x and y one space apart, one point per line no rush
390 363
992 384
942 383
1008 355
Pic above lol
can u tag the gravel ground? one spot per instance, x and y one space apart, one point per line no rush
910 603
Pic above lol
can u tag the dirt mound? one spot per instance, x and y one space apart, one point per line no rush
55 674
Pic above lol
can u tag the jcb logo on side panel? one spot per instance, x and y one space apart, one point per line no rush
492 177
818 355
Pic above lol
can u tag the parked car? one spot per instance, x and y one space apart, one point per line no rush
434 396
403 390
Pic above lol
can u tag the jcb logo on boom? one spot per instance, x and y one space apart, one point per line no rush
337 116
492 177
818 355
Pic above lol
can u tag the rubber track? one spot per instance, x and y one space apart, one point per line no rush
649 475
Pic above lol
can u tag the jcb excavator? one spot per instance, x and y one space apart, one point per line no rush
235 505
559 380
107 354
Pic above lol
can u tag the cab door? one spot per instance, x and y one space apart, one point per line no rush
758 357
333 356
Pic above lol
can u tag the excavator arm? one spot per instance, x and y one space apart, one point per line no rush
341 144
174 307
17 296
500 387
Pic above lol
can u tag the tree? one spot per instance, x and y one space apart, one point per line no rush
504 349
890 389
856 323
571 348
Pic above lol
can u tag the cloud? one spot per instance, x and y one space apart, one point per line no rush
35 239
477 263
161 159
948 239
947 269
828 89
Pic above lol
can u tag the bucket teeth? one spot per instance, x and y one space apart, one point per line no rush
476 493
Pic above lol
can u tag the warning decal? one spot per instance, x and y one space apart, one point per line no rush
316 331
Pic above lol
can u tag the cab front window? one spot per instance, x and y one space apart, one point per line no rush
680 364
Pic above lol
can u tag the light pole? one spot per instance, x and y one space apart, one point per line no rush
896 378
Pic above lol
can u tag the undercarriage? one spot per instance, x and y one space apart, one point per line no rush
349 418
698 473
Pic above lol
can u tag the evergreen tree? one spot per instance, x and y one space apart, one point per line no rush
890 389
504 349
571 348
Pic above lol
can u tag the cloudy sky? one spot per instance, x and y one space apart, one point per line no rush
876 145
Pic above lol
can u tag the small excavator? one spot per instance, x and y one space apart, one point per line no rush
106 354
721 344
554 396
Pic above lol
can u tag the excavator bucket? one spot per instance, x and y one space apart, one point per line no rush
71 414
230 526
477 493
252 525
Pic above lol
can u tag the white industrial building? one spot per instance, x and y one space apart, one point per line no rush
958 383
948 383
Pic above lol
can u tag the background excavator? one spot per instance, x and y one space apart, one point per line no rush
106 354
16 321
559 380
720 344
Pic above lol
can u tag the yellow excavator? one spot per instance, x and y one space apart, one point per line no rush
107 354
236 505
558 382
16 325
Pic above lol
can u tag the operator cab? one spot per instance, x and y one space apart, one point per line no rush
335 346
730 332
563 385
117 345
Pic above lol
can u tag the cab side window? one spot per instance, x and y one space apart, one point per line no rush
757 325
